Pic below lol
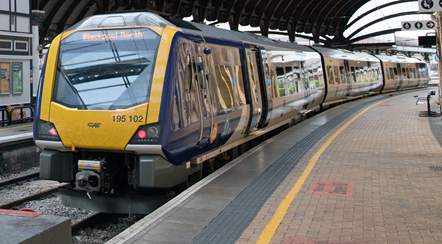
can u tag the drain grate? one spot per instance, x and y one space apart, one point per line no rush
435 168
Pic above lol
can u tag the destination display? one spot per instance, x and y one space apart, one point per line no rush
112 35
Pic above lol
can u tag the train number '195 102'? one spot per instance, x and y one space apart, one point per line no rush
130 118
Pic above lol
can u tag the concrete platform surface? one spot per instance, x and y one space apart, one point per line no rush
33 228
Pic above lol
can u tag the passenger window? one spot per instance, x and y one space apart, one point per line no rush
297 83
241 92
342 72
396 73
289 80
280 78
352 75
254 77
330 74
225 86
391 74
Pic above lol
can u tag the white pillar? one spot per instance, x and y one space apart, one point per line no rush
36 16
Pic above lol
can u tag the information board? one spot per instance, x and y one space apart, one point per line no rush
430 6
418 25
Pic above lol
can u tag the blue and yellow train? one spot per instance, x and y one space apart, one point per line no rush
132 103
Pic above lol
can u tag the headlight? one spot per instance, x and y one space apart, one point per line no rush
45 131
148 134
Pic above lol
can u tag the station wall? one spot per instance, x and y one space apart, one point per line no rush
15 52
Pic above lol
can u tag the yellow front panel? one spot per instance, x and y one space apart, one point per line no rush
109 130
158 76
49 78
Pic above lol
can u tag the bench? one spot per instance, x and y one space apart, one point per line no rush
426 100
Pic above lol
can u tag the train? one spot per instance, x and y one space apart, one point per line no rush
131 107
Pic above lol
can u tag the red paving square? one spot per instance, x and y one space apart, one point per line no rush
332 188
297 240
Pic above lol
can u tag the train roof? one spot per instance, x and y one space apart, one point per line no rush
131 19
344 54
398 59
119 20
245 37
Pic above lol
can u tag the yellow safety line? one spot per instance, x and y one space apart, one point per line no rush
269 231
15 127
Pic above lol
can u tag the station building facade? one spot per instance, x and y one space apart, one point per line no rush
15 52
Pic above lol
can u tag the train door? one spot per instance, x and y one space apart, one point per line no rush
255 93
201 72
398 76
305 84
345 73
264 85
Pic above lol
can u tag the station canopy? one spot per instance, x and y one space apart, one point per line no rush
331 22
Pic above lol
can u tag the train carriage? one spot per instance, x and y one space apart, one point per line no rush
350 74
403 72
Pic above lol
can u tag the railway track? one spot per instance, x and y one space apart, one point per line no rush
19 179
23 179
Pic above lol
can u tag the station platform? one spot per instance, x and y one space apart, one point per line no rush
367 171
16 133
33 228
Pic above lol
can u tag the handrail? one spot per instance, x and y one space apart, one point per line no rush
5 114
21 118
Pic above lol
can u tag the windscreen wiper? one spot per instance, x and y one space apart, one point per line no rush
71 86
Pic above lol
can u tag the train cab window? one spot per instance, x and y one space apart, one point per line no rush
331 76
188 75
99 70
391 73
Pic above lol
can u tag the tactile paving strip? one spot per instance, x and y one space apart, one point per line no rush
231 223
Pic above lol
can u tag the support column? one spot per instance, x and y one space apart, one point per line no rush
438 53
36 17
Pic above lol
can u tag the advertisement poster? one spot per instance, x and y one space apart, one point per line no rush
17 78
5 78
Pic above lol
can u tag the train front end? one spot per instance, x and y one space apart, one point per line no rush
97 113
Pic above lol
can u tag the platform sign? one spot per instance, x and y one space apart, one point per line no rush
430 5
418 25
